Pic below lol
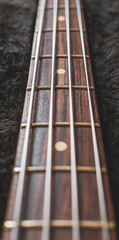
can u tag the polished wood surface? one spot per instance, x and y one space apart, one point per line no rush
61 179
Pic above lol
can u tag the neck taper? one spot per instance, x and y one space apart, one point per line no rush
60 185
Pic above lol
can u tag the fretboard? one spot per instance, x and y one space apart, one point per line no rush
60 187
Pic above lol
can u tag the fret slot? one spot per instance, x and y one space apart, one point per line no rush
61 56
32 169
86 224
61 124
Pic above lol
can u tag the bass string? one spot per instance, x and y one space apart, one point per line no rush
48 176
21 181
102 203
74 185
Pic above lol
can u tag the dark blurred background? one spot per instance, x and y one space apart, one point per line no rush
17 19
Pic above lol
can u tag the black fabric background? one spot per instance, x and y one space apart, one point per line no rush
17 19
16 30
102 18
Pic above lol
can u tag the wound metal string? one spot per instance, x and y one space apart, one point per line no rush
102 204
48 178
74 186
21 181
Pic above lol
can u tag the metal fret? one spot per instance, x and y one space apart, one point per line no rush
20 188
61 124
37 169
61 56
74 184
47 193
102 204
61 87
38 224
60 30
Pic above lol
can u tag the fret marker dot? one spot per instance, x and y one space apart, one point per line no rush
60 71
60 146
61 18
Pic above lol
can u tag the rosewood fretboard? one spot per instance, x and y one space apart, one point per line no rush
60 186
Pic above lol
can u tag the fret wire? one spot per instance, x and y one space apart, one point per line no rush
102 203
38 169
83 224
60 30
60 87
20 188
74 185
48 177
61 124
61 56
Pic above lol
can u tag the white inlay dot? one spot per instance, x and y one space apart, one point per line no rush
61 18
60 71
60 146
